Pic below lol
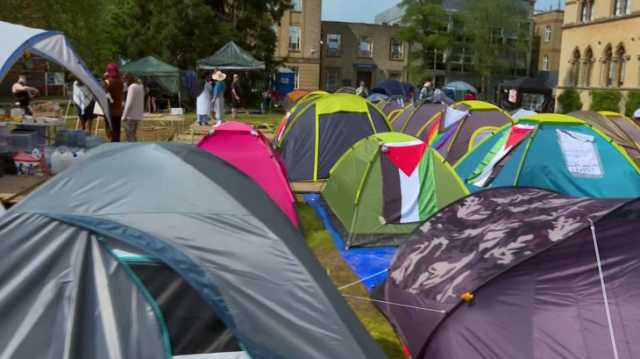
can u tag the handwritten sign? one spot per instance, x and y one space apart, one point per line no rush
580 154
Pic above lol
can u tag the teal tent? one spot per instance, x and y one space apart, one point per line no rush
231 57
152 69
553 152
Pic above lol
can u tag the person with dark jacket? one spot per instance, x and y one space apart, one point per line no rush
115 88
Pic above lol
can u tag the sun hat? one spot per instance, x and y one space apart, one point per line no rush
636 114
219 76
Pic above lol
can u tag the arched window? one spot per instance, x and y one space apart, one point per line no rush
573 76
621 65
587 67
586 10
608 66
621 7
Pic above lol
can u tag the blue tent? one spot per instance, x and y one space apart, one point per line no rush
393 88
554 152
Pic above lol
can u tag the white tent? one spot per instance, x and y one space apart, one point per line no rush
54 46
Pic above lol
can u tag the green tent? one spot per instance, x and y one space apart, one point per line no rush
152 69
231 57
375 197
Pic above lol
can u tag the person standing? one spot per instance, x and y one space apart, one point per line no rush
24 94
115 89
203 101
133 111
219 89
235 96
84 101
426 93
362 90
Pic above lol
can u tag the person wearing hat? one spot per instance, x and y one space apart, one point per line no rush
115 88
218 95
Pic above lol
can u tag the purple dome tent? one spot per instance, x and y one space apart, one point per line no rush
520 273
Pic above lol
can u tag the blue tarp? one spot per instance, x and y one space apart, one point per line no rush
368 263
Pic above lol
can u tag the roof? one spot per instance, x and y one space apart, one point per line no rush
231 57
527 84
149 66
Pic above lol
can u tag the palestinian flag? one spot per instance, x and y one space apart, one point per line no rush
486 170
404 174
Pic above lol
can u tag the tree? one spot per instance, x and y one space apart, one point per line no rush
426 29
499 33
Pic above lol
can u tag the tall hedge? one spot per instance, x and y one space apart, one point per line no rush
633 102
569 101
606 100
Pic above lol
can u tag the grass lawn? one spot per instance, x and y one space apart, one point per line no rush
322 245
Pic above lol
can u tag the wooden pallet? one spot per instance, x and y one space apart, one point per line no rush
14 188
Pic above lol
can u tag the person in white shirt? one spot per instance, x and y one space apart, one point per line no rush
133 107
84 101
362 91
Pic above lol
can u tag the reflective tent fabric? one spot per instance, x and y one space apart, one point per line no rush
320 132
53 46
530 272
250 152
200 217
167 76
596 167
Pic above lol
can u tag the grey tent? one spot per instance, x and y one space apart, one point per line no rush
149 251
231 57
16 40
520 273
151 69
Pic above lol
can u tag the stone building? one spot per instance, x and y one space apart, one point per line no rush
299 43
600 47
356 52
547 45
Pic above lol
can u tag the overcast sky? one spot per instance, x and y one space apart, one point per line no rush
366 10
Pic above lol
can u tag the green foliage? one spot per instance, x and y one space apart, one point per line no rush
498 31
569 101
178 32
425 26
606 100
633 102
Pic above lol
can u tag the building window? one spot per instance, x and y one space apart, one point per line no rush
397 49
395 75
621 7
296 77
586 10
587 67
609 68
294 38
573 77
332 80
547 33
296 5
365 48
334 44
621 65
545 63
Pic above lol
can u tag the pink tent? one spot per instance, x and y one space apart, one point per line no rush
249 151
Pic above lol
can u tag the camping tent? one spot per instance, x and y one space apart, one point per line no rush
393 88
152 69
386 185
622 130
415 118
459 89
529 93
391 104
555 152
322 130
250 152
298 106
107 273
460 134
16 40
629 126
231 57
519 273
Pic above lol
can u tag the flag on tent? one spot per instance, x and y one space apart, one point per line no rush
434 130
485 172
453 116
404 182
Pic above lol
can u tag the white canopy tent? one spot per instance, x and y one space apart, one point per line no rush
54 46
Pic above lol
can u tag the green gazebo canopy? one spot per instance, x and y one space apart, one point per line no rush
231 57
165 75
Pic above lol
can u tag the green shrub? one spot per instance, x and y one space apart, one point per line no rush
606 100
633 103
569 101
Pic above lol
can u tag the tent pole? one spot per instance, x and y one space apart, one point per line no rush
604 290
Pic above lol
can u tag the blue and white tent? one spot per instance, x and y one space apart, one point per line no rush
52 45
